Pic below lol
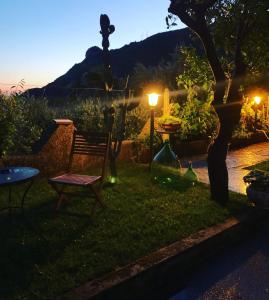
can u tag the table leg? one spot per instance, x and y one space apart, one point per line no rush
25 193
9 201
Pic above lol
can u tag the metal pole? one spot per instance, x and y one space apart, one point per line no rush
256 118
263 114
267 109
166 109
151 136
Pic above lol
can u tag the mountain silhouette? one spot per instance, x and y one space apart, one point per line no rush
87 74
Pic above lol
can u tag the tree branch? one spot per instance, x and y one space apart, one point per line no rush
198 24
179 9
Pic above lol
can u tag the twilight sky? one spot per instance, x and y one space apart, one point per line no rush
42 39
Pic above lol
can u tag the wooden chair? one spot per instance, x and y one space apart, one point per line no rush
97 144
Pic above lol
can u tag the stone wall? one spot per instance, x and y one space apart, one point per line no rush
52 152
53 156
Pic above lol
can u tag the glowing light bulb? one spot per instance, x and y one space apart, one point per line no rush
153 99
257 100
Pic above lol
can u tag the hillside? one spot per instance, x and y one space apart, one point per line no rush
149 52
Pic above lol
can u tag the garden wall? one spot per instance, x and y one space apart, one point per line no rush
51 153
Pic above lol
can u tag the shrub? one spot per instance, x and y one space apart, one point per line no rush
21 124
23 119
197 120
135 121
87 115
166 119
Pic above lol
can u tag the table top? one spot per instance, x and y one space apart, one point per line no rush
14 175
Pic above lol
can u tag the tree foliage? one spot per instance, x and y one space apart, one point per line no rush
235 34
197 116
195 76
228 31
163 75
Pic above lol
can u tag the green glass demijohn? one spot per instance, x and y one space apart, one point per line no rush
190 174
165 166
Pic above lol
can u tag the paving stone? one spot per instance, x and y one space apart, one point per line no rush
237 161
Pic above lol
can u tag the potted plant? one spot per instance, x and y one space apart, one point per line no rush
169 123
258 188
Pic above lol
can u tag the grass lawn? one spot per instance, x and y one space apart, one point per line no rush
264 166
48 255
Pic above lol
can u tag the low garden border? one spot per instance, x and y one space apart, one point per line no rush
167 270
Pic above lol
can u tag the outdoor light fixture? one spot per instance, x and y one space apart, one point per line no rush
257 100
113 179
165 166
152 100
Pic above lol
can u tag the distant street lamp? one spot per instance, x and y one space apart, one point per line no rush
153 101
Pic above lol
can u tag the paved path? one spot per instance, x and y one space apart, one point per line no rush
237 160
240 273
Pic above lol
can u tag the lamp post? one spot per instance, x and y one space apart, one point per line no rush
267 110
152 100
257 101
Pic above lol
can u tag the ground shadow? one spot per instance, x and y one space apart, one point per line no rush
31 240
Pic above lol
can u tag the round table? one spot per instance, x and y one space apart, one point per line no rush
12 176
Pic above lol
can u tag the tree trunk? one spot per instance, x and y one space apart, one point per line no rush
193 14
229 115
205 36
113 169
113 155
